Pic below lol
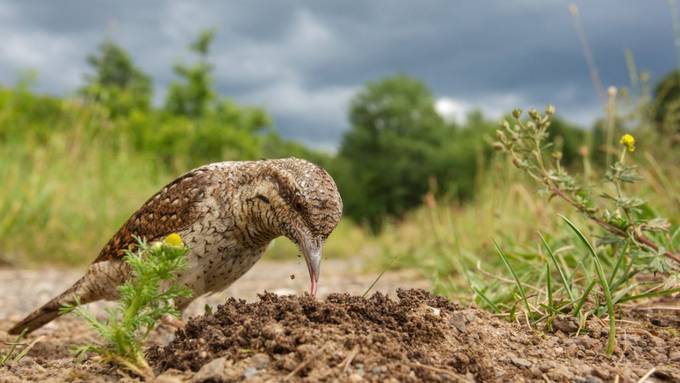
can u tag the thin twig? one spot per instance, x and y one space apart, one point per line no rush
647 375
304 364
639 237
348 360
668 308
28 348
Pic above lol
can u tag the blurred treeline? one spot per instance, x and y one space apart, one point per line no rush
73 168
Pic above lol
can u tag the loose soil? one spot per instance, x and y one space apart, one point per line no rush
394 335
414 338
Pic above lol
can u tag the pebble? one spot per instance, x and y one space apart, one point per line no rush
590 379
546 366
212 371
520 362
260 360
565 324
249 372
674 356
167 378
378 370
458 321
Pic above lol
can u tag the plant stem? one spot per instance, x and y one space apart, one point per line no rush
639 237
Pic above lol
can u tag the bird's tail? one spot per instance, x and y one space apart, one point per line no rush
50 310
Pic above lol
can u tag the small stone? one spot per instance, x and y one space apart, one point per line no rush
674 356
249 372
520 362
167 378
546 366
565 324
355 378
260 360
535 372
592 379
212 371
470 316
656 341
458 321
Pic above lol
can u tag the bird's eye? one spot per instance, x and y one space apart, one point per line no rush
263 198
297 204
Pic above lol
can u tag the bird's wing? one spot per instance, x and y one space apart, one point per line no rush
172 209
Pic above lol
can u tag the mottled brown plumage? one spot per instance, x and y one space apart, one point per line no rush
227 213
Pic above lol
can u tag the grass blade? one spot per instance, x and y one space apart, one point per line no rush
563 276
611 339
486 299
652 294
619 262
584 297
551 303
520 287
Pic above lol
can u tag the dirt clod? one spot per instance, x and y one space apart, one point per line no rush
417 337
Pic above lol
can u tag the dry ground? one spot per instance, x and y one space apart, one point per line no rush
407 336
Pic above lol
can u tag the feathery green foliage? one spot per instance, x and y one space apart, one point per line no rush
144 300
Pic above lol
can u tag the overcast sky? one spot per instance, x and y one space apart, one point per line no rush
303 60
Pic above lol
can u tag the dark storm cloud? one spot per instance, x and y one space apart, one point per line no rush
303 60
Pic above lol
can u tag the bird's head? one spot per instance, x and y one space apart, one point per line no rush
299 200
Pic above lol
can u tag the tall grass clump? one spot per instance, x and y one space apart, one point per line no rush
67 189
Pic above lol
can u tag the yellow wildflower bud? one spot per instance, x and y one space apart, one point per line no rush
628 141
173 240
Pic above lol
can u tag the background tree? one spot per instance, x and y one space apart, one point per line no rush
192 94
388 153
666 104
116 82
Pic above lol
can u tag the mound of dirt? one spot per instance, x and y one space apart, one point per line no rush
418 337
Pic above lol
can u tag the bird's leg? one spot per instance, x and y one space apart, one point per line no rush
172 323
175 323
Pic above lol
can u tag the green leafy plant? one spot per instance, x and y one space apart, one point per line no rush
625 219
634 240
143 302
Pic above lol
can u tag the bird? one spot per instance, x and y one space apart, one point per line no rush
227 213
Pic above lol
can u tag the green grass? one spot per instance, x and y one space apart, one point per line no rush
62 201
514 250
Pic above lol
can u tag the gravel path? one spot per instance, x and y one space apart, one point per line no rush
21 291
51 359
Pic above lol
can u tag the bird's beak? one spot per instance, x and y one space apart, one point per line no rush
311 250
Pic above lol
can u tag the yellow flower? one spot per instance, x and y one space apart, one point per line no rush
173 240
628 141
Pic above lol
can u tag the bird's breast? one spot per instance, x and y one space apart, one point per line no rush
219 252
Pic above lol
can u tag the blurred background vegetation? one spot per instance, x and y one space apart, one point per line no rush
419 191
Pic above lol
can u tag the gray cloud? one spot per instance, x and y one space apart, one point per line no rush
303 60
